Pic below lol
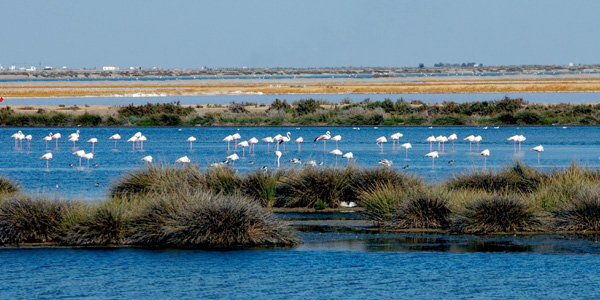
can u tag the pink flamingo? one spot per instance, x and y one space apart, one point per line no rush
336 138
395 138
431 139
191 139
278 154
47 157
380 142
514 138
323 137
142 139
56 136
183 160
17 136
228 139
452 137
471 139
477 139
268 140
88 156
79 153
47 139
133 140
299 142
485 153
406 146
74 137
115 137
28 137
538 149
243 144
147 159
252 141
337 153
277 140
236 137
433 156
93 141
285 139
349 156
520 140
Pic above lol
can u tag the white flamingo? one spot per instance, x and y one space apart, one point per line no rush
93 141
380 142
406 146
485 153
47 157
115 137
433 156
191 139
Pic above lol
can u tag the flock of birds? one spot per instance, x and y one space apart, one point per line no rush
280 141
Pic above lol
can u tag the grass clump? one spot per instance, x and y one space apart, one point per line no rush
26 219
311 185
369 179
193 218
102 225
582 214
7 186
262 186
518 178
495 214
424 210
156 179
221 180
381 203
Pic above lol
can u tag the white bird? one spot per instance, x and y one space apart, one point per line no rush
395 137
88 156
47 139
285 139
243 144
17 137
28 137
337 153
236 136
452 138
312 163
74 138
386 162
233 157
521 139
406 146
485 153
477 139
323 137
299 141
56 136
147 159
142 139
380 141
115 137
252 141
93 141
47 157
433 156
471 139
183 160
191 139
296 161
268 140
538 149
430 139
336 138
515 139
349 156
228 139
278 154
79 153
133 140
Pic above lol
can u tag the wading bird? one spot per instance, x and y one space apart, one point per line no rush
538 149
323 137
406 146
485 153
380 142
93 141
191 139
47 157
115 137
433 156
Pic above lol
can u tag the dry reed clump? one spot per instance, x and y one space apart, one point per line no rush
192 218
425 210
157 178
495 214
27 219
7 186
582 213
518 178
105 224
312 186
221 180
382 202
262 186
370 178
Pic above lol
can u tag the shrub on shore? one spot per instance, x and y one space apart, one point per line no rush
100 225
582 213
157 178
262 186
382 202
7 186
424 210
312 185
518 178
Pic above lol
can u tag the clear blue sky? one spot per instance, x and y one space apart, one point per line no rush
307 33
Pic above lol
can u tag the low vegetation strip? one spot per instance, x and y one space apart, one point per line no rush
314 112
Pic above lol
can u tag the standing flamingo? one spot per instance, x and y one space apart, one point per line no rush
299 142
395 138
79 153
337 153
285 139
142 139
268 140
147 159
16 136
88 156
538 149
471 139
93 141
349 156
191 139
183 160
406 146
520 140
485 153
336 138
277 140
477 139
233 157
74 139
380 142
137 135
252 141
278 154
430 139
47 157
243 144
323 137
28 137
115 137
228 139
452 137
133 140
56 136
514 138
433 156
47 139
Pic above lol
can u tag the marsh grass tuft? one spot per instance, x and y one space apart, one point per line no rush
100 225
157 178
495 214
311 185
518 178
582 214
370 178
381 203
425 210
262 186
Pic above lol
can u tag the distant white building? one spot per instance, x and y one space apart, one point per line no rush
571 64
32 68
109 68
12 68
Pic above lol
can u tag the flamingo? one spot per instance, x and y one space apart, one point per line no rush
74 134
385 162
79 153
28 137
183 160
233 158
277 139
93 141
47 157
191 139
380 142
278 154
244 144
252 141
485 153
349 156
470 138
147 159
47 139
236 136
137 135
477 139
538 149
56 136
514 138
299 142
285 139
142 139
395 138
228 139
268 140
16 137
324 137
133 140
452 137
336 138
520 140
115 137
406 146
431 139
433 156
88 156
74 138
337 153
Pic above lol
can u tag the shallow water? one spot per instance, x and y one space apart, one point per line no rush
562 146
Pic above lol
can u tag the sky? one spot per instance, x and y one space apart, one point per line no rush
299 34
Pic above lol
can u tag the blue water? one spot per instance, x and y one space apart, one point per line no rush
309 273
562 145
334 98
